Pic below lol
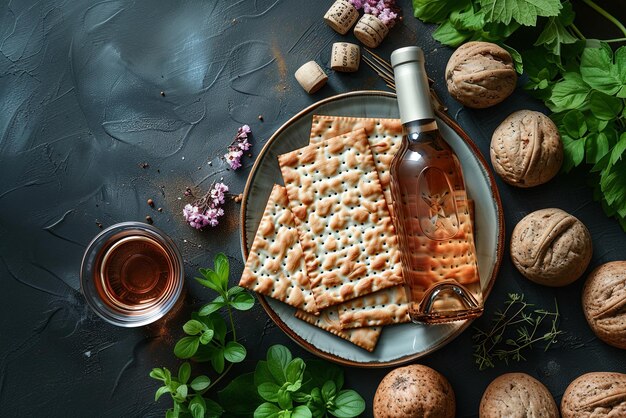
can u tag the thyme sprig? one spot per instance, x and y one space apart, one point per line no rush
514 330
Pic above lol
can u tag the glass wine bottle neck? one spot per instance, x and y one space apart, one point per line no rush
413 92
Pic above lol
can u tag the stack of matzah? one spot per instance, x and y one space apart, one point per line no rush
326 244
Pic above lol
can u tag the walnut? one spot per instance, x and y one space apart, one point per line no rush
480 74
526 149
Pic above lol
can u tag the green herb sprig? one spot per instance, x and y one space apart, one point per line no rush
581 80
514 330
280 387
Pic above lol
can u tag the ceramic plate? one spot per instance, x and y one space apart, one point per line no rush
399 343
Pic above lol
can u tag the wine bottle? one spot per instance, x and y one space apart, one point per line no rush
432 214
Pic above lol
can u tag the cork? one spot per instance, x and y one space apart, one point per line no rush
341 16
370 30
345 57
311 77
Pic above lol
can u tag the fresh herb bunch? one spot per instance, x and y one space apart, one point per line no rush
283 386
514 330
206 340
280 387
581 80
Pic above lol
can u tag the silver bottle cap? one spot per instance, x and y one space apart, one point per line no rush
411 84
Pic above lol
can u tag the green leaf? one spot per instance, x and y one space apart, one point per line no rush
569 93
300 397
186 347
284 399
596 147
525 12
210 280
318 372
242 301
184 372
222 269
436 11
213 306
348 404
240 396
555 34
217 359
618 149
295 370
219 327
448 35
517 58
573 152
262 374
329 390
197 410
160 392
206 337
200 383
269 391
213 409
301 412
266 410
574 124
158 374
278 357
182 391
235 290
234 352
605 107
194 327
468 20
598 70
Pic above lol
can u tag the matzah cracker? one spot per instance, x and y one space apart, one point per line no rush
384 136
328 320
275 265
388 306
346 234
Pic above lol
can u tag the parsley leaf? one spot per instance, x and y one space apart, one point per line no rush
555 33
599 71
436 11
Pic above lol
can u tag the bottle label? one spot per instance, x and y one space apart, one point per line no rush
437 209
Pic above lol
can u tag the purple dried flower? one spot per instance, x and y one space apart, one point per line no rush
385 10
358 4
206 210
237 147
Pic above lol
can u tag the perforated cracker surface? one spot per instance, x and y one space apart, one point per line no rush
388 306
346 233
328 320
384 136
275 265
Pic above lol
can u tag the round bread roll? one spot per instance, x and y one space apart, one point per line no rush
526 149
604 299
480 74
517 395
414 391
596 395
551 247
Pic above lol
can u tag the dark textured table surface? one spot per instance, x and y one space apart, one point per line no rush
81 109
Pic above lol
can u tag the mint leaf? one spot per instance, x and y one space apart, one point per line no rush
213 409
222 269
194 327
200 383
301 412
605 107
599 71
234 352
184 372
295 370
569 93
242 301
574 123
266 410
278 357
448 35
206 336
436 11
348 404
240 396
211 307
186 347
219 327
197 410
618 149
525 12
160 392
262 374
468 20
158 374
217 359
517 58
269 391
